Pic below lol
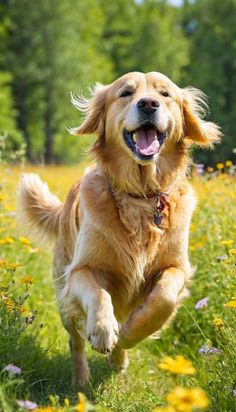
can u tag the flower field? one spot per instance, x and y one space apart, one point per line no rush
190 367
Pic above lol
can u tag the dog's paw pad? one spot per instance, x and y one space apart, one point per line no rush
104 336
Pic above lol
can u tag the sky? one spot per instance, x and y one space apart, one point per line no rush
176 2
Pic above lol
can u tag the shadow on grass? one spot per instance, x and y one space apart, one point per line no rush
48 373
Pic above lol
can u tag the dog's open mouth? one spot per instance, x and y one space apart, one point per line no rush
145 141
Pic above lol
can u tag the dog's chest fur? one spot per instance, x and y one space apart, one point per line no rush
125 227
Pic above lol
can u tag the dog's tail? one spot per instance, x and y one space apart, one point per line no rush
38 210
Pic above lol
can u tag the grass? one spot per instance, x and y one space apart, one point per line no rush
32 336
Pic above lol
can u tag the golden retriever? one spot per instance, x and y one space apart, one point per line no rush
121 263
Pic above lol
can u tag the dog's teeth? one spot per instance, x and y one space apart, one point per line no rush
134 137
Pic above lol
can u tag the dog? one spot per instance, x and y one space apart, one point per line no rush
121 265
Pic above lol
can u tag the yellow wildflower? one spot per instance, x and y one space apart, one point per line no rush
32 250
1 198
231 303
13 265
45 409
66 402
192 227
2 229
220 166
185 399
210 169
3 263
233 252
218 322
25 241
166 409
6 241
227 242
178 366
23 310
9 303
26 279
81 407
228 163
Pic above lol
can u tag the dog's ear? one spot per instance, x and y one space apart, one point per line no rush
93 107
197 130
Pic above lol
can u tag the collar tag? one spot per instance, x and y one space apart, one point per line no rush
162 201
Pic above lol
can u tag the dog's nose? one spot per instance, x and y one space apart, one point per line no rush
148 105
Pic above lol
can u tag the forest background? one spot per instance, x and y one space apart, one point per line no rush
49 48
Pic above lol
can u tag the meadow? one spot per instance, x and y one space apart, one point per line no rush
190 367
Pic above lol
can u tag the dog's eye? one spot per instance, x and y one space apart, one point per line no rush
165 94
126 93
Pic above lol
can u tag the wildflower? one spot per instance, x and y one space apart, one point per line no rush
45 409
218 322
185 399
178 366
25 241
228 163
66 402
192 227
201 303
32 250
3 263
227 242
1 198
13 266
220 166
199 168
23 310
6 241
9 303
2 229
231 304
26 279
210 169
222 258
27 405
206 350
81 405
233 252
13 369
167 409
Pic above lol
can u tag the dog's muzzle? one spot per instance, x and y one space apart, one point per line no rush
145 142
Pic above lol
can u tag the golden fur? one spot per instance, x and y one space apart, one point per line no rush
118 276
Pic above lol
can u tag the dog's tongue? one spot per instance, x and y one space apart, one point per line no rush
147 141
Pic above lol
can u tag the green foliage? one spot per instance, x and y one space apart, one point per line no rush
211 31
8 131
59 46
159 43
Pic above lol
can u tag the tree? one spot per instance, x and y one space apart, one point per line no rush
159 42
53 48
210 26
10 136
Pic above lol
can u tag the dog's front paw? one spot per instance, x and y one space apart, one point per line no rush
103 332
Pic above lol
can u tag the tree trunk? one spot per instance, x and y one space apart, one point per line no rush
20 94
49 129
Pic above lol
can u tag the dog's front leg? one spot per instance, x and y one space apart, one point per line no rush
156 310
83 292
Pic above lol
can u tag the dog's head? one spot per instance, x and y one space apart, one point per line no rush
145 115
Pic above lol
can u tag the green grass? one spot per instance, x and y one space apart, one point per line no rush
40 347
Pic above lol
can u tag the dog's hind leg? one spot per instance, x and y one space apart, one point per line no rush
79 359
118 359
